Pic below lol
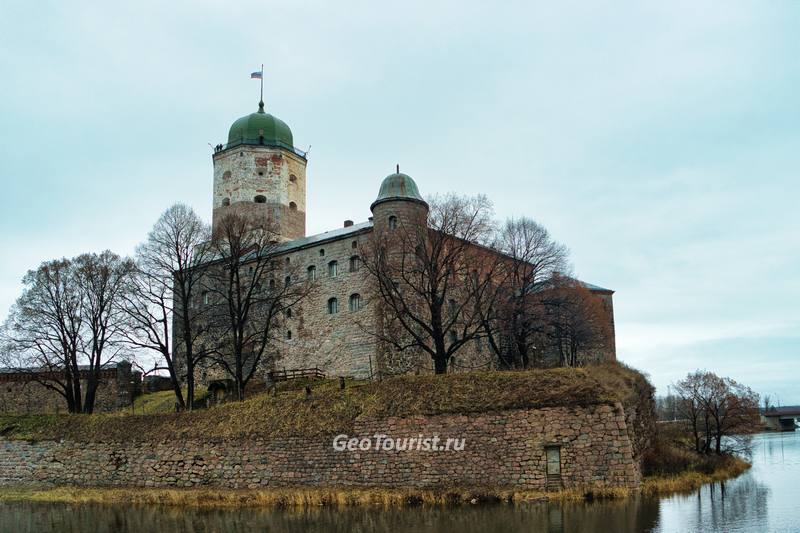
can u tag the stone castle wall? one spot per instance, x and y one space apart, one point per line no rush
501 449
19 394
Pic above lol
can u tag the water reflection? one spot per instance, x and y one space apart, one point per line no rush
764 499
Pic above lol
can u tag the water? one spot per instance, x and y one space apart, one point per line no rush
766 498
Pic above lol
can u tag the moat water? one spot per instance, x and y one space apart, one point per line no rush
767 498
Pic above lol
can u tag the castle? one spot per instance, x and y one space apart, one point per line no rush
260 174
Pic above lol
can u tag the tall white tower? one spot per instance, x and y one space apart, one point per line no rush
259 173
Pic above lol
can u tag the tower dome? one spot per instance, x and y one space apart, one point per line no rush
398 186
260 128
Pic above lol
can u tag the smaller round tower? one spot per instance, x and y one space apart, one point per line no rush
399 204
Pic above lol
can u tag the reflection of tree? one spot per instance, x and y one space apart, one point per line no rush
740 504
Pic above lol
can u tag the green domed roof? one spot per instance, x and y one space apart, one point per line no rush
260 128
398 186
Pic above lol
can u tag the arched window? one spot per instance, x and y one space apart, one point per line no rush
289 335
333 269
272 284
292 178
227 175
287 280
289 313
392 222
288 260
333 306
293 206
322 252
260 199
312 273
226 202
206 298
354 245
355 263
355 302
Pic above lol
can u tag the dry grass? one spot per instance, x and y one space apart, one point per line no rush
727 468
221 498
330 410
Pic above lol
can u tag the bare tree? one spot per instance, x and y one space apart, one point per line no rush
103 280
65 327
722 413
535 261
43 334
248 289
160 307
433 280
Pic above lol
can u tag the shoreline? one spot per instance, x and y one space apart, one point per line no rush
657 486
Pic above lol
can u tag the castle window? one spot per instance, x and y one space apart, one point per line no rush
206 298
333 306
333 269
355 263
293 206
272 284
322 252
227 175
312 273
392 222
289 313
288 260
292 178
260 199
226 202
289 335
260 172
354 245
287 280
355 302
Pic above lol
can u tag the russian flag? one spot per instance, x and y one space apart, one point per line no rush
256 75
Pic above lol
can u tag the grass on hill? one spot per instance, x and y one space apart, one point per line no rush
158 402
330 410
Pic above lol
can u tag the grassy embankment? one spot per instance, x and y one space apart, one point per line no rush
330 411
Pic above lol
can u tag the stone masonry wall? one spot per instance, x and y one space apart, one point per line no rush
244 172
19 395
501 449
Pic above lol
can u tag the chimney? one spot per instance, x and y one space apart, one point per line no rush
348 223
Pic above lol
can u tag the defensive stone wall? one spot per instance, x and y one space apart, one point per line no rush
20 392
590 446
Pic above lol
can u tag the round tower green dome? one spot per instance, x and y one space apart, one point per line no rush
398 186
260 128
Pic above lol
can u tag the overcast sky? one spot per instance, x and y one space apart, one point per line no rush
658 140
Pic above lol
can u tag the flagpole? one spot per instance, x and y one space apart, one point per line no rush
262 82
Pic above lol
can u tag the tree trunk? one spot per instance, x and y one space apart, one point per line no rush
440 364
91 394
190 383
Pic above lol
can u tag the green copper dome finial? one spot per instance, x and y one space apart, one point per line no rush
261 128
398 186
